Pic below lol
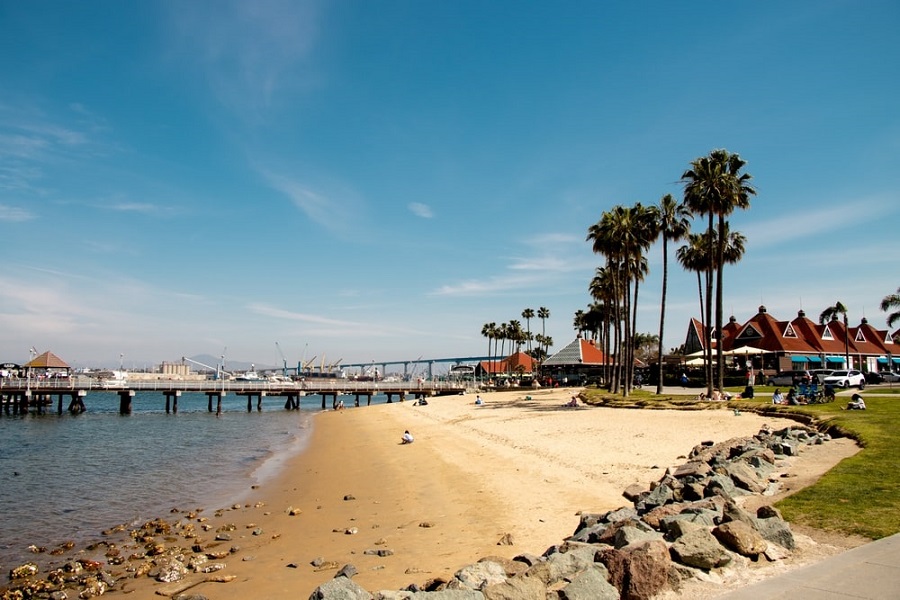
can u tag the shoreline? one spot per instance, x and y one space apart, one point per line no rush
520 466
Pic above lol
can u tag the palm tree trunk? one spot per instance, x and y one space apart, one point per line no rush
720 269
709 293
662 313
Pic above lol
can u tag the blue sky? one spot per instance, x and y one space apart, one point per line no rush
376 180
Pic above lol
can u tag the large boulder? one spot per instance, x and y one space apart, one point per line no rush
741 538
640 570
590 584
699 548
516 588
340 588
480 575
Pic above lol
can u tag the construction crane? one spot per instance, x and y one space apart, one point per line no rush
220 370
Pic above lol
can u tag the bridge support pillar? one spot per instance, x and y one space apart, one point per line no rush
172 398
125 398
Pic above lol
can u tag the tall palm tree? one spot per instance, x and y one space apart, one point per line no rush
715 186
489 330
622 235
831 314
673 224
543 314
602 289
889 302
528 315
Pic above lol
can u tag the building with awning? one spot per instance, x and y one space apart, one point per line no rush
800 343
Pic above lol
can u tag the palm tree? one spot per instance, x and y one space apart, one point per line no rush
889 302
831 314
673 224
528 315
715 186
622 235
489 330
578 322
543 314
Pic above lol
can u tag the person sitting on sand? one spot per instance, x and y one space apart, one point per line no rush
572 403
478 400
856 403
777 397
407 438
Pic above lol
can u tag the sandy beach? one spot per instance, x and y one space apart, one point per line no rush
521 466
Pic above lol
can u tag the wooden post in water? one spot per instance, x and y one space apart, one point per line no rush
125 397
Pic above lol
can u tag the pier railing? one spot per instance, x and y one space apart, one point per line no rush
330 386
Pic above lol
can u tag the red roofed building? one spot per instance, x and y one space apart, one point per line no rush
803 343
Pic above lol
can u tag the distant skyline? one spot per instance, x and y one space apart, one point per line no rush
375 181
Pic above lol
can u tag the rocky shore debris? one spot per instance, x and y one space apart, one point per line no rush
170 552
689 524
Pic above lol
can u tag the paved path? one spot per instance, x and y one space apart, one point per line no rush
871 572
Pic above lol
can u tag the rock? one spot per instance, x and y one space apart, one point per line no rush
768 511
699 548
23 571
777 531
348 571
590 584
448 595
744 477
633 492
506 540
639 571
480 575
740 537
349 497
516 588
720 485
630 534
340 588
692 469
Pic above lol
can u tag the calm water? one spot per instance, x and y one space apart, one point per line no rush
69 477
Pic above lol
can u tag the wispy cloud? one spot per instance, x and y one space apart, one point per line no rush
333 206
15 214
487 286
421 210
817 224
249 51
278 313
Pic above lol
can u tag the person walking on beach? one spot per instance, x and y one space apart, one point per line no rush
407 438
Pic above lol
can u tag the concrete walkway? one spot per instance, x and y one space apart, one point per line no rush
871 571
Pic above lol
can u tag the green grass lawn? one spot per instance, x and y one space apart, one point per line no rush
860 495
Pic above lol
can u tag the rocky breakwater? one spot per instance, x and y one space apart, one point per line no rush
688 525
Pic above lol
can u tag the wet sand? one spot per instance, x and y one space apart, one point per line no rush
521 465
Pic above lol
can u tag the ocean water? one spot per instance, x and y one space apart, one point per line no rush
68 477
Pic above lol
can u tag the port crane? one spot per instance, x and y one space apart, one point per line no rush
219 369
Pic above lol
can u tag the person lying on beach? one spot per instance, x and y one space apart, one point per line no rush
407 438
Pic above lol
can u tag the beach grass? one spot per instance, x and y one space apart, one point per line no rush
860 495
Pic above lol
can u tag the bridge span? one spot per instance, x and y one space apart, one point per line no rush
430 362
19 396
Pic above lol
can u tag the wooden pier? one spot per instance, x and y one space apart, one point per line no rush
20 396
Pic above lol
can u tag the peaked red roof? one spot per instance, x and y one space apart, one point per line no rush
47 360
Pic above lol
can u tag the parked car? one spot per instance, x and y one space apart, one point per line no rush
820 374
846 379
890 376
874 377
788 378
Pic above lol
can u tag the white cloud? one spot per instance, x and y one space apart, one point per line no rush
421 210
15 214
